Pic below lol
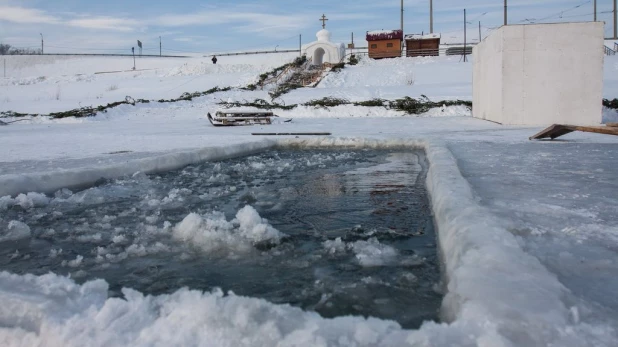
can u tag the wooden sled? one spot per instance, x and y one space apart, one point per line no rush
558 130
238 117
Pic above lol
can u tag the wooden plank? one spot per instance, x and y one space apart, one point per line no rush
598 130
277 134
552 132
613 125
558 130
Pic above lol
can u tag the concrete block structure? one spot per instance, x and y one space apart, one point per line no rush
540 74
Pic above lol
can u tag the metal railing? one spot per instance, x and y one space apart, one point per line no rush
108 55
423 52
608 51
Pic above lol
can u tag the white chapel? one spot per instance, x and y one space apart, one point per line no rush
323 51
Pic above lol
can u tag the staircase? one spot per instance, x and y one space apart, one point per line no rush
610 51
308 77
305 76
293 77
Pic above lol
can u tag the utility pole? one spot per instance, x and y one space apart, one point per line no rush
465 38
133 51
402 41
300 45
431 16
480 31
41 43
505 12
615 23
401 16
160 46
595 10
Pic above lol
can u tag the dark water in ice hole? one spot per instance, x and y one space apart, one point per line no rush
384 265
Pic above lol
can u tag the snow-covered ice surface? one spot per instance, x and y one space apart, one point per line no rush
570 224
526 229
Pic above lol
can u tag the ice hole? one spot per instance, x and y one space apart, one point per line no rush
339 232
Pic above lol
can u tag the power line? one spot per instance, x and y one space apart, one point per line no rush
535 20
479 16
89 49
587 14
153 49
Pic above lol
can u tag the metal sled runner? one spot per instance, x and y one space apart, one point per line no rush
238 117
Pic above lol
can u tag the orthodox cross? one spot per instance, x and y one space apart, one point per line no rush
323 21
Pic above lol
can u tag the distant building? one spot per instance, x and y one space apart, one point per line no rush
384 43
419 45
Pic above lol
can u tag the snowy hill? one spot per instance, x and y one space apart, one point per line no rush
58 83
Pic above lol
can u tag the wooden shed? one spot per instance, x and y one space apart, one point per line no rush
419 45
384 43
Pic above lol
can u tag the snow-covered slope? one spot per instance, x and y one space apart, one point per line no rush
43 84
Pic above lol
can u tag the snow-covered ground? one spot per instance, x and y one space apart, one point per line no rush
527 230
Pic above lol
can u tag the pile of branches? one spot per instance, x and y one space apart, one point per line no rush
406 104
326 102
422 105
190 96
353 60
613 104
283 88
257 103
298 62
89 111
337 67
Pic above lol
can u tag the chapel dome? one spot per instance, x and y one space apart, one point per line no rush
323 35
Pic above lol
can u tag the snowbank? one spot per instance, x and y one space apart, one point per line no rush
62 313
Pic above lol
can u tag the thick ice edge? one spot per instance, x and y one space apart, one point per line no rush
49 182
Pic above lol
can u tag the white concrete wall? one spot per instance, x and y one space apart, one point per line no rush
488 73
540 74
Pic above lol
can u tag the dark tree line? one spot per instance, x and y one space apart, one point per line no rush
6 49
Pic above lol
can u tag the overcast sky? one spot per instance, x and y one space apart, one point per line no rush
114 26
